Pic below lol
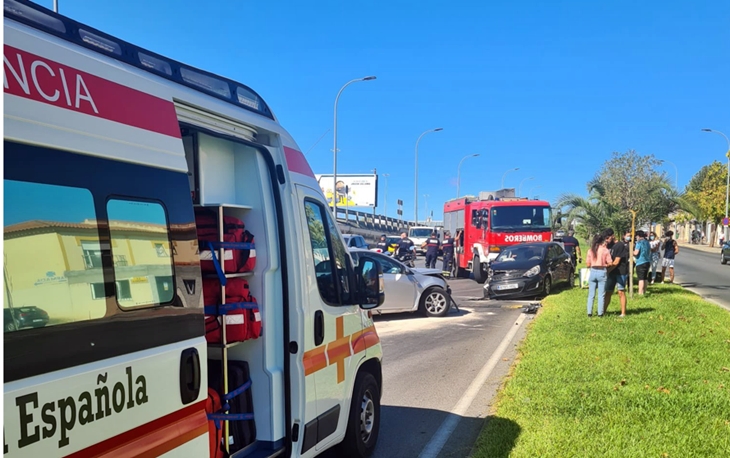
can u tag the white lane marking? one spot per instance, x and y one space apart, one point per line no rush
437 442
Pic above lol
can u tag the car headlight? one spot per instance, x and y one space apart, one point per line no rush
532 272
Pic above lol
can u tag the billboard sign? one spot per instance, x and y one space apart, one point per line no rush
352 190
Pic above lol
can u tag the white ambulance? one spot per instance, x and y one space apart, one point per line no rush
111 152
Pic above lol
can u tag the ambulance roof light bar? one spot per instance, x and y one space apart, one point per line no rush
225 89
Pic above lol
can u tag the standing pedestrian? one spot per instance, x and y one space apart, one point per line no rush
656 255
642 252
432 245
619 272
448 248
572 247
671 249
598 259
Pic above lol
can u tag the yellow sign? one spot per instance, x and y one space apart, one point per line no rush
139 280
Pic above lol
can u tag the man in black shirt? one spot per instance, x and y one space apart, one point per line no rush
448 247
404 246
383 244
572 247
432 245
619 271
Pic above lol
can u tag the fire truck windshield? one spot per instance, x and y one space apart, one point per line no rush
521 218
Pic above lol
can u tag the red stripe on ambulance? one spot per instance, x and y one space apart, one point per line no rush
43 80
296 162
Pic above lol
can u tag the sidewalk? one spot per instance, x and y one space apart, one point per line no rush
705 248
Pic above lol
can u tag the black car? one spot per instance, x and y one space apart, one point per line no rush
725 253
24 317
528 270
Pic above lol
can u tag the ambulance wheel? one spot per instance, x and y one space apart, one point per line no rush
363 423
480 275
435 302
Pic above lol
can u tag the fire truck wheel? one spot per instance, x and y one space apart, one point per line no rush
363 423
480 275
435 302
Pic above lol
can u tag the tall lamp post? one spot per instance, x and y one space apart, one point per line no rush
519 188
386 175
334 150
416 186
458 173
727 189
508 171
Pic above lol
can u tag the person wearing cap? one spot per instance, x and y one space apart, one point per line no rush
448 247
383 244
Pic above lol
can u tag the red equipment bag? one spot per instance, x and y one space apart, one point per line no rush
234 231
243 320
215 434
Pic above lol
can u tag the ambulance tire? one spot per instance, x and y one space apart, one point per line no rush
363 422
480 274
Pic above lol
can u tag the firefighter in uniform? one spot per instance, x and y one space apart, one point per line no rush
382 244
432 245
404 250
448 247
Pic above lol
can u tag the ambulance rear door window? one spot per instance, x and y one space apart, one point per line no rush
140 251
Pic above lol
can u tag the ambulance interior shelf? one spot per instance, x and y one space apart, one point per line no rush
227 297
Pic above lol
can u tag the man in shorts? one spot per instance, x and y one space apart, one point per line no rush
618 274
670 252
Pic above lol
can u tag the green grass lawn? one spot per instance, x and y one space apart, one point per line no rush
653 384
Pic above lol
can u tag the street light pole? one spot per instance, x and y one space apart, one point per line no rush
508 171
519 188
458 173
386 175
727 189
334 150
55 6
416 185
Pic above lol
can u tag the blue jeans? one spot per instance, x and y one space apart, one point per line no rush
597 279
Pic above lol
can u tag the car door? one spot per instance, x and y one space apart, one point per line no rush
558 265
328 355
400 288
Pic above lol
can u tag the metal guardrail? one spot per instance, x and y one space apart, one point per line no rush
368 221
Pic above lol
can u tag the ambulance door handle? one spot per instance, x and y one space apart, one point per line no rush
189 375
318 327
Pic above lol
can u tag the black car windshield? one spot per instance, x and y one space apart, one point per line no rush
521 218
521 253
421 232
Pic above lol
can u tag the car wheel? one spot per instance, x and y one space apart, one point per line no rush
363 422
723 260
435 302
571 278
547 285
10 327
480 275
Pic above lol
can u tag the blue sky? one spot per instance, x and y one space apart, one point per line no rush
550 87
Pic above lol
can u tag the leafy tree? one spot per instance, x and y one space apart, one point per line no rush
706 192
630 181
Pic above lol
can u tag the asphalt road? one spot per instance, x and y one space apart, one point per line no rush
702 273
440 375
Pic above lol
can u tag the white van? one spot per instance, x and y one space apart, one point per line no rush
110 151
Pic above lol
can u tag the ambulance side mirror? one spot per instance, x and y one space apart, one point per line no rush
371 286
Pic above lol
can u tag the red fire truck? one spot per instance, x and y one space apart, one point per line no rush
484 225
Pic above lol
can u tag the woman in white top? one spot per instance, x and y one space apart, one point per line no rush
656 255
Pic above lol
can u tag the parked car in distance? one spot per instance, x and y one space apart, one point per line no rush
355 241
529 269
725 253
410 290
24 317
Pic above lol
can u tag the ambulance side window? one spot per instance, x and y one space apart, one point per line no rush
330 258
52 256
141 253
